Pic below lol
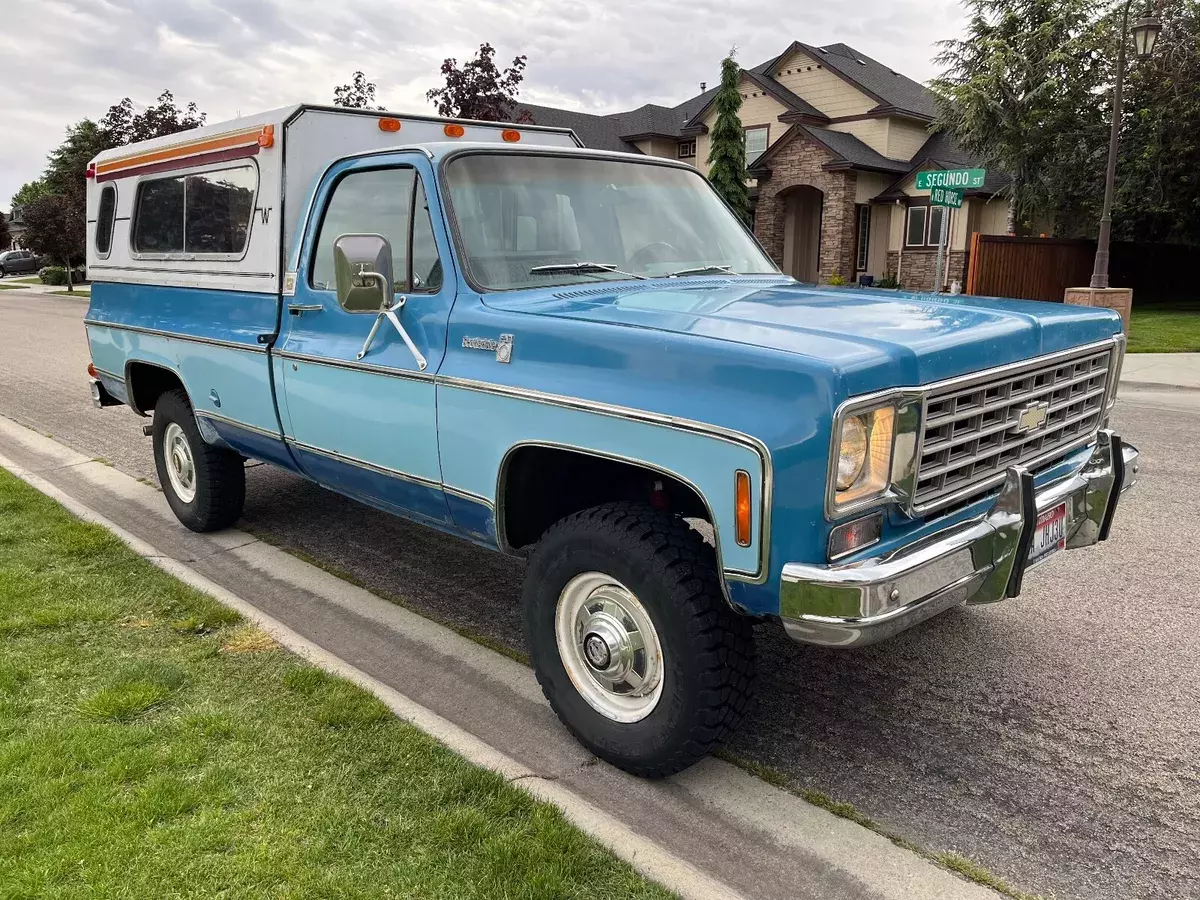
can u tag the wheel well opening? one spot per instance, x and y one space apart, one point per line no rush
146 383
541 485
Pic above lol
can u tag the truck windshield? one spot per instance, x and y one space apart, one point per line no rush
534 220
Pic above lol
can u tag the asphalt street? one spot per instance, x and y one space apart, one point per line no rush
1053 738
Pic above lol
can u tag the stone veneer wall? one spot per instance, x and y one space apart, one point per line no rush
919 265
800 163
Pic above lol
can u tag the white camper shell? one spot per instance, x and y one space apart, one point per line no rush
264 165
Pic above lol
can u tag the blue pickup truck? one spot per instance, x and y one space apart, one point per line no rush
584 359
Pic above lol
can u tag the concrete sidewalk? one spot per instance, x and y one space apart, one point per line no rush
1162 370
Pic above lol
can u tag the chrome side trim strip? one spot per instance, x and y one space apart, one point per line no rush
113 375
355 366
363 464
174 335
468 495
225 420
688 425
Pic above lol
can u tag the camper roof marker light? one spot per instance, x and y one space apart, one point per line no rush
454 131
389 124
91 170
266 138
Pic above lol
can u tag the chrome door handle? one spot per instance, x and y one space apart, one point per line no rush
300 309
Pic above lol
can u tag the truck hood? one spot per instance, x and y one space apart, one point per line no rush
873 338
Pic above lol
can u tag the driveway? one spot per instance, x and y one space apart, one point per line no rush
1053 738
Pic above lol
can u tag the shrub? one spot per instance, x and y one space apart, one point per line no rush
52 275
58 275
887 282
837 280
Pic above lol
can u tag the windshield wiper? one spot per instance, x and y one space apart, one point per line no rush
583 268
700 270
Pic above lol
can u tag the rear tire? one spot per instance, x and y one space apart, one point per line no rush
205 485
632 640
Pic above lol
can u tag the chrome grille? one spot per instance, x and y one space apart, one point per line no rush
972 430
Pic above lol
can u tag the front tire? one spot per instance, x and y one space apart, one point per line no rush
205 485
632 640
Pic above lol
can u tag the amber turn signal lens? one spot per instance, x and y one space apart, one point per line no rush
742 508
266 137
389 124
510 135
454 130
92 370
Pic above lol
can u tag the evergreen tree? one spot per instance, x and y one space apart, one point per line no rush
1019 92
727 141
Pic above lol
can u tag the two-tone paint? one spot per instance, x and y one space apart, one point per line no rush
697 378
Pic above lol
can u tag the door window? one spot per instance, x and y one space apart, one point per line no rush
378 201
388 202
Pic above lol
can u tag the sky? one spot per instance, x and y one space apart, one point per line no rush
65 60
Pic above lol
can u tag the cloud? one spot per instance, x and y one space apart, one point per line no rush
70 59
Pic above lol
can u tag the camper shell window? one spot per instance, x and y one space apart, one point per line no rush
104 219
201 213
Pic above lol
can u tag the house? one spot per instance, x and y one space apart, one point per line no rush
834 140
16 229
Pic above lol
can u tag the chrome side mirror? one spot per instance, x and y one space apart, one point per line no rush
362 265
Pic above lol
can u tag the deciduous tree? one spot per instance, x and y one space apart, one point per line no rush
479 90
358 94
29 192
727 141
5 237
55 226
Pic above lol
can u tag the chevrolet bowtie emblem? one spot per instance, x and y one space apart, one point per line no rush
1033 417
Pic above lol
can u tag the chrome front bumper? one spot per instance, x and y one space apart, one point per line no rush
979 561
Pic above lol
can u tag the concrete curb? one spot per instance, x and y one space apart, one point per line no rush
740 837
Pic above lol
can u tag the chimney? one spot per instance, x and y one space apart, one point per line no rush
703 86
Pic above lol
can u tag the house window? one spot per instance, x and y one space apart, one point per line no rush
917 221
687 149
937 215
756 142
864 237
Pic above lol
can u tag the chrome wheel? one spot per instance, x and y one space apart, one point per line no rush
609 647
181 467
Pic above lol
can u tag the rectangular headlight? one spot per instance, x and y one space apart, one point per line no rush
874 443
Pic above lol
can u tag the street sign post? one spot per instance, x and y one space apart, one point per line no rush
946 187
968 179
948 197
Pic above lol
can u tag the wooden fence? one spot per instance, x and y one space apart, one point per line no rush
1027 268
1043 268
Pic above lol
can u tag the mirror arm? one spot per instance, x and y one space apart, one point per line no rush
389 313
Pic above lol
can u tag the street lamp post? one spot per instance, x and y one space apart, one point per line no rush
1145 33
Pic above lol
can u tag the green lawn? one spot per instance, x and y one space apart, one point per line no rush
85 293
13 287
32 279
1168 329
153 745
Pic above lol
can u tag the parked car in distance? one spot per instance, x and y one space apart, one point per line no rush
19 262
580 358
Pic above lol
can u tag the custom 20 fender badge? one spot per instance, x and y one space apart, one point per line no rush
503 346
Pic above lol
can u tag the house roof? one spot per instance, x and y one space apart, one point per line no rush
893 93
941 151
847 150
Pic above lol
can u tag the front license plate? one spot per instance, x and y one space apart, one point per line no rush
1049 534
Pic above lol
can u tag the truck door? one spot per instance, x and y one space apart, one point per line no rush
368 427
